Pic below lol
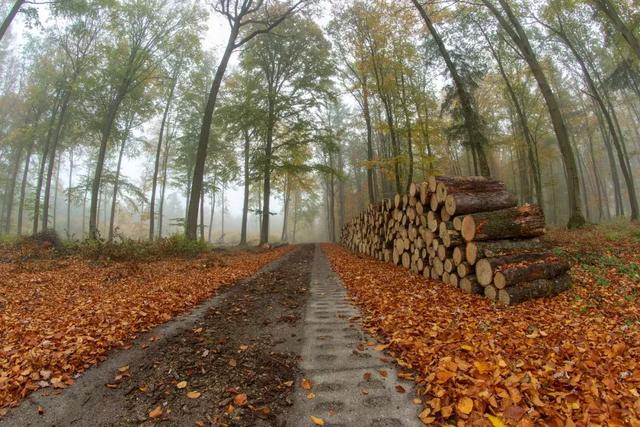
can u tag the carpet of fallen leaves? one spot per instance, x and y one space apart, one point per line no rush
570 360
58 317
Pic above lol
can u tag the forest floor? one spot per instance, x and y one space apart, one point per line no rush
236 358
61 315
569 360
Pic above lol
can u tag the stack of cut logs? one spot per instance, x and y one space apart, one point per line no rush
466 231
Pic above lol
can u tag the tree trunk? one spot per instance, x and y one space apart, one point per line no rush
245 200
524 124
202 215
69 194
367 119
116 183
477 139
165 165
57 136
23 186
107 128
156 166
203 141
213 207
43 163
409 132
266 190
611 124
512 26
55 193
12 14
11 187
610 11
285 209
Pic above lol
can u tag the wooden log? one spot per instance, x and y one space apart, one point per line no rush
457 255
496 248
448 265
457 223
471 202
406 260
520 222
513 274
413 188
491 292
486 267
438 266
470 284
457 184
454 280
534 289
424 193
464 269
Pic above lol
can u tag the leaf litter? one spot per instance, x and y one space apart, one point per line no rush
59 317
570 360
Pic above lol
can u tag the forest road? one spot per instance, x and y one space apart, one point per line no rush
273 350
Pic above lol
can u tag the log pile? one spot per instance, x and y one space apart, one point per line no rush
467 232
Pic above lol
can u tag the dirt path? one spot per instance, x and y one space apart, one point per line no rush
353 384
239 360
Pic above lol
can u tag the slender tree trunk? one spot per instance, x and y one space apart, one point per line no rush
524 123
512 26
23 186
116 188
203 142
409 133
612 124
287 192
107 128
165 165
245 201
69 194
367 119
57 135
222 210
12 186
12 14
295 217
55 192
202 216
43 163
264 231
84 212
608 8
472 122
617 192
213 206
156 167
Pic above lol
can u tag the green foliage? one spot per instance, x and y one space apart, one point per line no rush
129 249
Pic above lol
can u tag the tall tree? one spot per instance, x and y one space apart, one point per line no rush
472 122
247 19
511 24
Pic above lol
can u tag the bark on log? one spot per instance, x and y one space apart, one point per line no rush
471 202
520 222
534 289
512 274
495 248
486 267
